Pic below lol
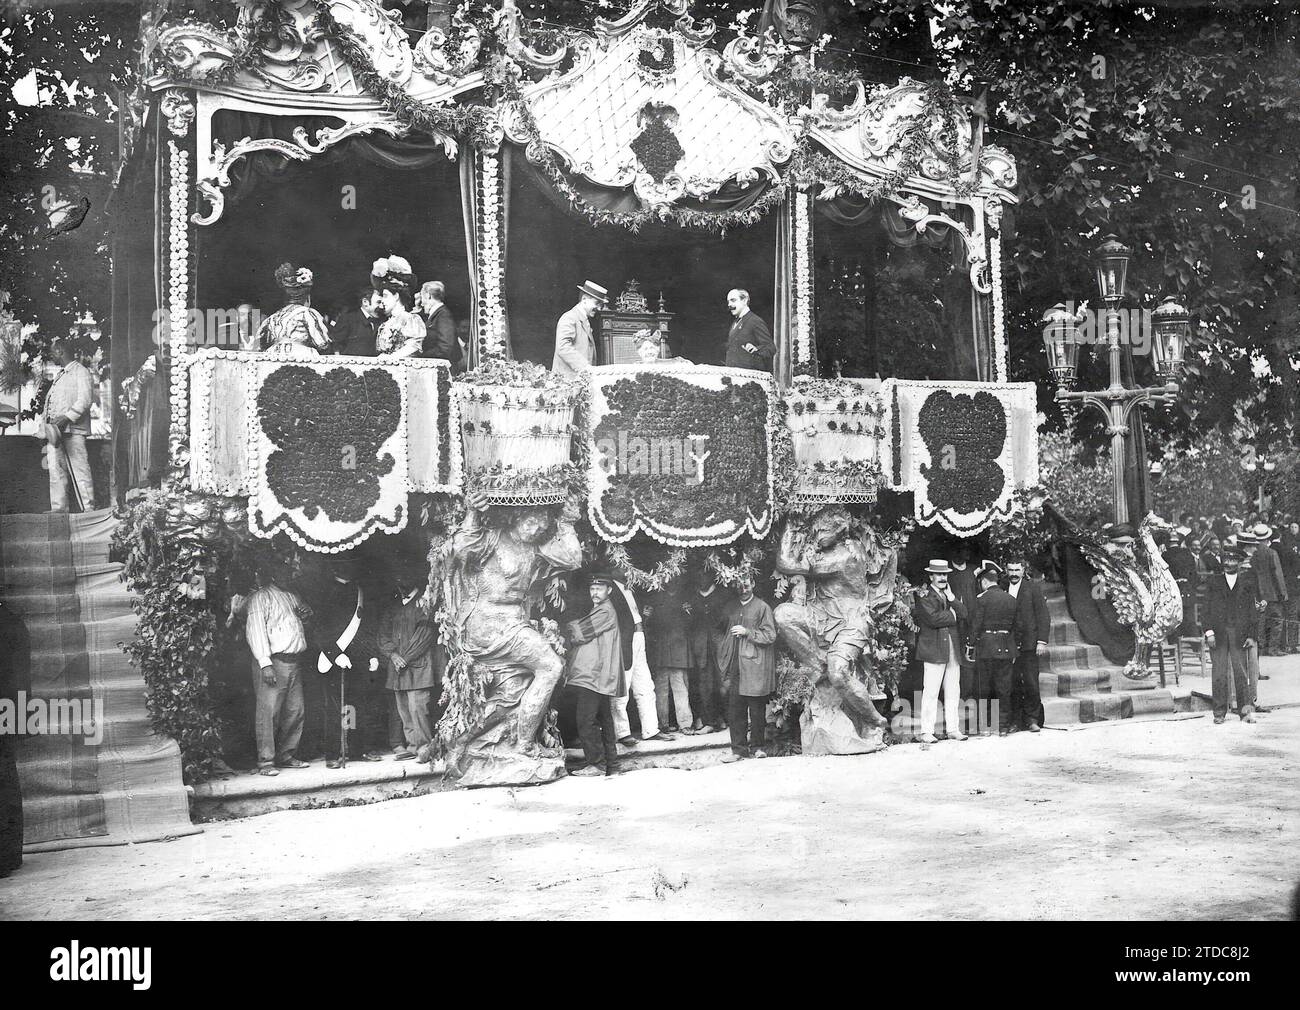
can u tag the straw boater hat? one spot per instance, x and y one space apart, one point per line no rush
938 566
595 291
1262 533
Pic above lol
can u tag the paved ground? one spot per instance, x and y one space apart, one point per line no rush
1132 820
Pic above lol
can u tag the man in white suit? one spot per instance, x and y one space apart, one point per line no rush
575 349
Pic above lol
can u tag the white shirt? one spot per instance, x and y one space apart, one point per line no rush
1231 579
1014 589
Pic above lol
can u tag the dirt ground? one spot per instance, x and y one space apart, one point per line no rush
1136 820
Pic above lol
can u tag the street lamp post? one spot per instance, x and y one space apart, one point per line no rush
1116 402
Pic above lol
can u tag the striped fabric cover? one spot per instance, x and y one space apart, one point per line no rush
57 580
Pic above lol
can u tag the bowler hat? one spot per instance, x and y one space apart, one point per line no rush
595 291
938 566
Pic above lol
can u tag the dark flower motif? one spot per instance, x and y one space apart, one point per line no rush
328 429
964 435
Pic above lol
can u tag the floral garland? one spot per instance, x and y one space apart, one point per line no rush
999 308
657 578
37 406
491 303
804 364
178 294
746 565
128 400
508 485
473 121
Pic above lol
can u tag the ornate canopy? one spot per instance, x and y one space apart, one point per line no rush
645 102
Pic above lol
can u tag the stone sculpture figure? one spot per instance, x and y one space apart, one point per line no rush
490 576
839 577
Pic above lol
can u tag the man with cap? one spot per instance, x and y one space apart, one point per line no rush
575 349
992 642
595 673
1229 627
1033 627
1269 576
1182 566
938 612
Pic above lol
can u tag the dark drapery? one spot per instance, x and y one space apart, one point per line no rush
138 445
228 126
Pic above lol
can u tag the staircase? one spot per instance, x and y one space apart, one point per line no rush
1079 684
105 778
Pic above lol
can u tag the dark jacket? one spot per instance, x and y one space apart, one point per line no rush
596 652
1267 567
937 618
1033 623
992 625
755 653
1182 566
1289 555
749 329
962 582
440 338
667 633
354 333
707 615
1230 609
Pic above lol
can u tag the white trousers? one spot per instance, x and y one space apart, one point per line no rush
949 676
642 687
75 446
671 678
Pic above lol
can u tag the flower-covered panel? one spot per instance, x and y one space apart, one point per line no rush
962 448
682 453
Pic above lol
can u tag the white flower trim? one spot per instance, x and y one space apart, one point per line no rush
178 286
492 320
802 281
1013 395
1000 353
598 481
202 437
267 516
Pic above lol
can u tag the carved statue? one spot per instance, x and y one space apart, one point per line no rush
839 578
489 578
1143 591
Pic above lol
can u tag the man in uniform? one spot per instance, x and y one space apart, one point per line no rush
992 642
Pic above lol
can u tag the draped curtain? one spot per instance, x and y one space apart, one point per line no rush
783 294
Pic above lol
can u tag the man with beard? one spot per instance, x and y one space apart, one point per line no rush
1033 628
749 341
939 614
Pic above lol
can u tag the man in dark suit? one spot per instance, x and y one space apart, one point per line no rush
1270 577
1182 566
354 330
992 642
749 341
439 327
1229 629
1033 626
938 613
962 581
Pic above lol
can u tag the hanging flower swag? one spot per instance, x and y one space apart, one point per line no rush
745 565
657 578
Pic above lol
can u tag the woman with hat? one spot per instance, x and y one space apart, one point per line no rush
402 331
648 343
296 330
938 614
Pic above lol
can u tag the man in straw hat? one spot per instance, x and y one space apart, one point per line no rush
67 426
1267 565
938 613
575 350
1229 630
596 674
